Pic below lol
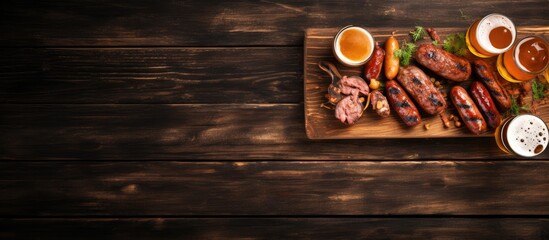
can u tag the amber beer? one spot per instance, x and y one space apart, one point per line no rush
525 135
491 35
353 46
528 58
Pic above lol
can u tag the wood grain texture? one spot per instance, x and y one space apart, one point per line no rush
151 75
213 23
321 123
201 132
275 228
286 188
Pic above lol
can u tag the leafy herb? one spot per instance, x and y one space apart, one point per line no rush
435 43
538 90
515 108
418 33
455 43
405 53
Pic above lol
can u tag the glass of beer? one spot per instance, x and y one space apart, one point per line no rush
524 135
491 35
353 46
524 61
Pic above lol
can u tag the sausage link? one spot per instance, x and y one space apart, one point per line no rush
391 62
485 104
402 104
419 85
443 63
486 74
468 110
372 69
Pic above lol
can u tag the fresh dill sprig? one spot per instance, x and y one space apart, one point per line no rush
405 53
418 33
538 90
455 43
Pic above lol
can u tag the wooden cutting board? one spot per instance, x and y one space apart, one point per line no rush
320 123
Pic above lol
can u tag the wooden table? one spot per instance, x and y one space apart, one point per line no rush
184 119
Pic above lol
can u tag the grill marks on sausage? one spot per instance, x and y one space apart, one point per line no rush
464 106
402 104
394 90
487 75
462 67
443 63
435 100
422 90
474 120
468 111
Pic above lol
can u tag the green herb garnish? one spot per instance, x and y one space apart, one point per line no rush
435 42
418 33
515 108
405 53
538 90
455 43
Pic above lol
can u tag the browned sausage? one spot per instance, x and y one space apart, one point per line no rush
486 74
402 104
372 69
443 63
485 104
419 85
468 110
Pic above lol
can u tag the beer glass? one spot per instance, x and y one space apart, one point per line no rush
525 60
525 135
353 46
491 35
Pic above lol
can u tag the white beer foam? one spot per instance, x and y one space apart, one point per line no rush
525 133
486 25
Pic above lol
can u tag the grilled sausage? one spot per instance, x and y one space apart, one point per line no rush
443 63
402 104
372 69
482 98
380 104
419 85
486 74
391 62
468 110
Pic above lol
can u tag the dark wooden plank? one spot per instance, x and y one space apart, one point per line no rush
203 23
322 124
152 75
275 228
288 188
201 131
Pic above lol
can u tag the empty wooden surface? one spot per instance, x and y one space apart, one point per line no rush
185 119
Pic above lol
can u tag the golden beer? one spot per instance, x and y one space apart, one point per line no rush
528 58
491 35
353 46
